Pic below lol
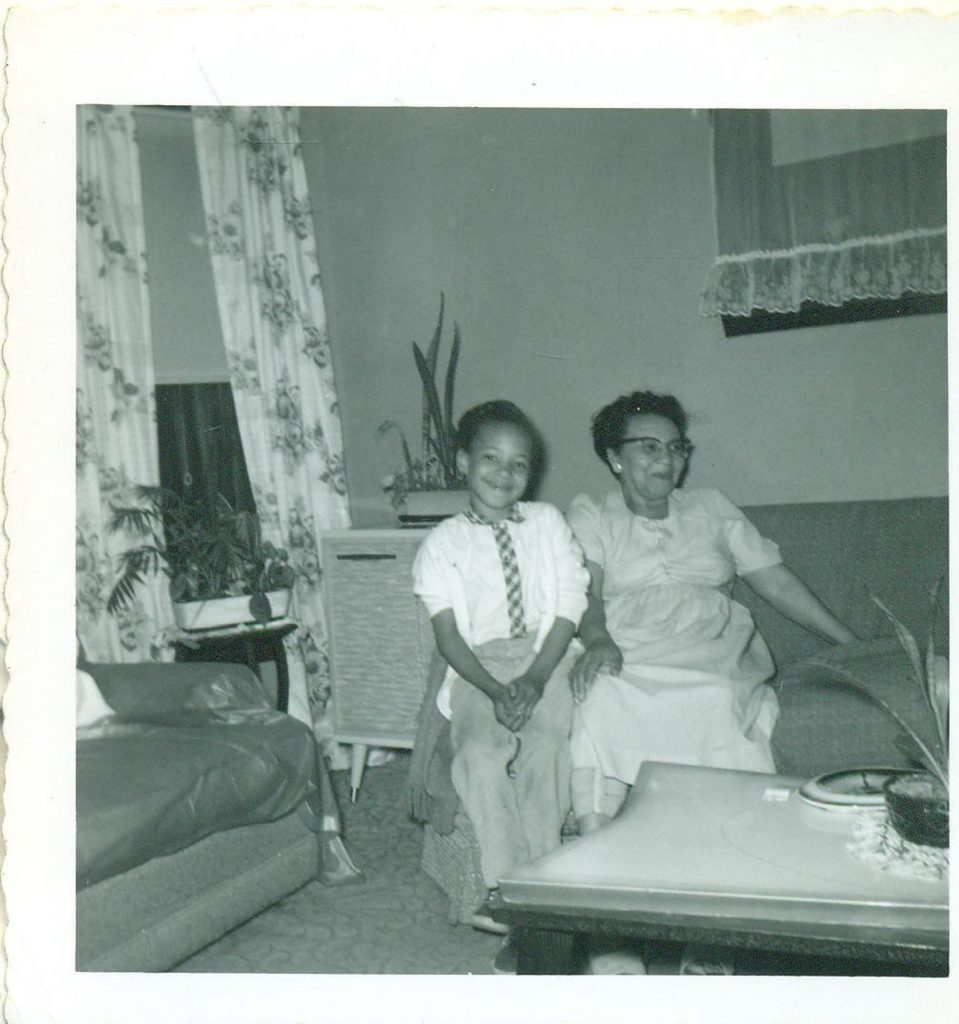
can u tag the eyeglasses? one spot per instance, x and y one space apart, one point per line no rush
653 448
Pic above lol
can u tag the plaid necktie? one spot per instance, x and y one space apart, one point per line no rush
507 557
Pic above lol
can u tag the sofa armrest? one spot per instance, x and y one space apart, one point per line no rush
150 687
825 725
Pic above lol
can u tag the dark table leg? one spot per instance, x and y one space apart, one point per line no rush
282 675
248 649
542 951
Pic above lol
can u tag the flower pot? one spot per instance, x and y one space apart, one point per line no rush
918 807
434 504
219 612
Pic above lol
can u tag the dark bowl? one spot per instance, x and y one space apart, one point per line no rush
918 808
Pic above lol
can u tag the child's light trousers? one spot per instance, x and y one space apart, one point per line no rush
517 796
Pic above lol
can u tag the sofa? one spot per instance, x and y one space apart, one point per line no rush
845 551
198 806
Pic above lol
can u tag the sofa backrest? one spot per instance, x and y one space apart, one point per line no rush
895 549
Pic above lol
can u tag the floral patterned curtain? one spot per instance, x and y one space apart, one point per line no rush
852 223
116 432
260 233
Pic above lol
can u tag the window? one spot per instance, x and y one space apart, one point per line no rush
827 216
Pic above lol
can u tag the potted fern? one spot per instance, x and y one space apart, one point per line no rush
221 570
429 486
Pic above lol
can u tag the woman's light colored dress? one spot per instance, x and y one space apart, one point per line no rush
692 688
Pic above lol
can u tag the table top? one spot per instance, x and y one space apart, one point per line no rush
742 846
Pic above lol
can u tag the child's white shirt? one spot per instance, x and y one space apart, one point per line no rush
458 567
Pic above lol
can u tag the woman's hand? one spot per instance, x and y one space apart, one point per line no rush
599 656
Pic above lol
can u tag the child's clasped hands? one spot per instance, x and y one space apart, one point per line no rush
515 702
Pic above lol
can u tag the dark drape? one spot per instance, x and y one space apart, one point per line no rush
201 454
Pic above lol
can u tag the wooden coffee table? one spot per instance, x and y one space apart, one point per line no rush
732 859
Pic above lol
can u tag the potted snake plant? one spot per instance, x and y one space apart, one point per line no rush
429 486
221 570
917 802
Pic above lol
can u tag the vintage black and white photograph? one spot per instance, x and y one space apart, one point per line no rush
508 541
511 540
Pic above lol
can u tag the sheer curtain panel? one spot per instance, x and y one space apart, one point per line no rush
116 432
261 239
826 207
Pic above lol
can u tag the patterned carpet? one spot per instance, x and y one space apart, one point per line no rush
393 922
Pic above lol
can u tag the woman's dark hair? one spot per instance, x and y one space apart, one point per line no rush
609 424
500 411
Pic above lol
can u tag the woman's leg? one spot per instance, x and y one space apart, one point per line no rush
596 797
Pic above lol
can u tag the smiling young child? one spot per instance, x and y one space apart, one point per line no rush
504 584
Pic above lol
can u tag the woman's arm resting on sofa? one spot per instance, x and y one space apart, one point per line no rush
781 588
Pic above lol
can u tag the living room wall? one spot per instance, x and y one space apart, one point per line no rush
572 247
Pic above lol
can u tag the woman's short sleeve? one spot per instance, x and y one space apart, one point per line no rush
585 522
749 548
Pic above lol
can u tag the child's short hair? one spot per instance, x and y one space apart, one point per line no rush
501 411
498 411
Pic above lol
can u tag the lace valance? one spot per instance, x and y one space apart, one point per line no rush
869 224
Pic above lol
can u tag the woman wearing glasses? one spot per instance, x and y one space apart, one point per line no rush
673 669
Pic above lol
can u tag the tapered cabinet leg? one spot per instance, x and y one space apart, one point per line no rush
358 764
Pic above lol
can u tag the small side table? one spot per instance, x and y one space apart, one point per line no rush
249 644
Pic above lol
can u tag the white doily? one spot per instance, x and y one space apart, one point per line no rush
877 843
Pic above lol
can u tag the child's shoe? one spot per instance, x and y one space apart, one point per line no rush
483 922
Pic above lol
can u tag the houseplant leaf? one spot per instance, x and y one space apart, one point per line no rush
937 673
223 507
449 462
937 767
279 577
260 607
247 533
208 549
179 588
906 638
132 519
432 355
123 592
433 401
384 428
